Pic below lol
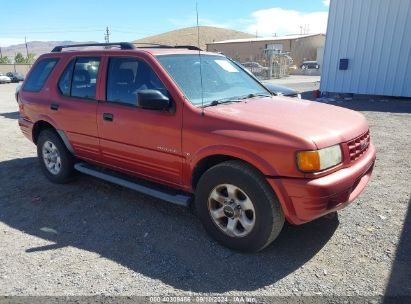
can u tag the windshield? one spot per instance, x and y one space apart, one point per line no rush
221 78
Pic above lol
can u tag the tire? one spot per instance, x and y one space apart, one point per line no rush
263 219
51 150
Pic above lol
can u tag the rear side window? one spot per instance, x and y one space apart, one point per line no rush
65 79
39 75
80 77
84 79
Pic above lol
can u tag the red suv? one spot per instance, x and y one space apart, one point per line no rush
178 123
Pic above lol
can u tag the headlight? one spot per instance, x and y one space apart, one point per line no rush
318 160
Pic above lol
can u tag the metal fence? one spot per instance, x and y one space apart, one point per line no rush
273 65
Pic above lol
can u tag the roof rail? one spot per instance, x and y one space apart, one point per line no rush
165 46
152 45
122 45
190 47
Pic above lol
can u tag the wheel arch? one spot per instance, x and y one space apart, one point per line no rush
42 125
205 160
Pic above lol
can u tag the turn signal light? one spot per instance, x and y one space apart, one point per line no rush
309 161
317 160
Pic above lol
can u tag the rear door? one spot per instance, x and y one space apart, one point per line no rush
139 141
74 104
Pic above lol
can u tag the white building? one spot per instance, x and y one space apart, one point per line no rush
368 48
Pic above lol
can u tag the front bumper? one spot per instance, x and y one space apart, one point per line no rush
304 200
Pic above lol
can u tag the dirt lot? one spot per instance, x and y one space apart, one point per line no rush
90 237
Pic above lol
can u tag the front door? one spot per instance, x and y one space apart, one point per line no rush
144 142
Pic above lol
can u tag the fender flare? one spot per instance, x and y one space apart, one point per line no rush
59 131
233 151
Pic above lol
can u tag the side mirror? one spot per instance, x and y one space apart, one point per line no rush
153 100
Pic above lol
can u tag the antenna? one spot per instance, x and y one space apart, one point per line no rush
199 58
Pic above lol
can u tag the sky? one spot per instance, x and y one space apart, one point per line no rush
82 20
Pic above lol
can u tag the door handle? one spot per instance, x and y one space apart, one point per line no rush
54 106
108 116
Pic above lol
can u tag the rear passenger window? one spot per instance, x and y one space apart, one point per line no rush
65 79
38 76
84 78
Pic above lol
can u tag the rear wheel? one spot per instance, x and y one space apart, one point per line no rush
55 160
237 206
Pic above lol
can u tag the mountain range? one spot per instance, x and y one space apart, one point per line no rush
35 47
184 36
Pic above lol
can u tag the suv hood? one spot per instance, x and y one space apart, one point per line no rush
325 125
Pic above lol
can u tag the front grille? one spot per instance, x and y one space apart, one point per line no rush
358 146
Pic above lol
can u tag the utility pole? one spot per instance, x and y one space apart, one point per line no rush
107 35
1 53
27 49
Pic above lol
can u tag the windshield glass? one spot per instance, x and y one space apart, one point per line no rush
221 79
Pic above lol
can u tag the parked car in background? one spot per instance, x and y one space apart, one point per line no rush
256 68
279 90
4 78
15 76
310 65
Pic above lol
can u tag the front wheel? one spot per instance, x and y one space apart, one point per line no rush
238 207
55 160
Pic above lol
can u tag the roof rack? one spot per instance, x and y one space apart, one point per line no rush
152 45
190 47
122 45
126 46
165 46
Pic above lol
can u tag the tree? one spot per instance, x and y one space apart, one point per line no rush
19 58
30 59
4 60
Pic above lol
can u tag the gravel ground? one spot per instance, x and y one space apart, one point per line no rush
90 237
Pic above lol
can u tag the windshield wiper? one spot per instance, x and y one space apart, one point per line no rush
236 99
223 100
253 95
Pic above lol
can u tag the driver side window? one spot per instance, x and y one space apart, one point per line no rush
127 76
